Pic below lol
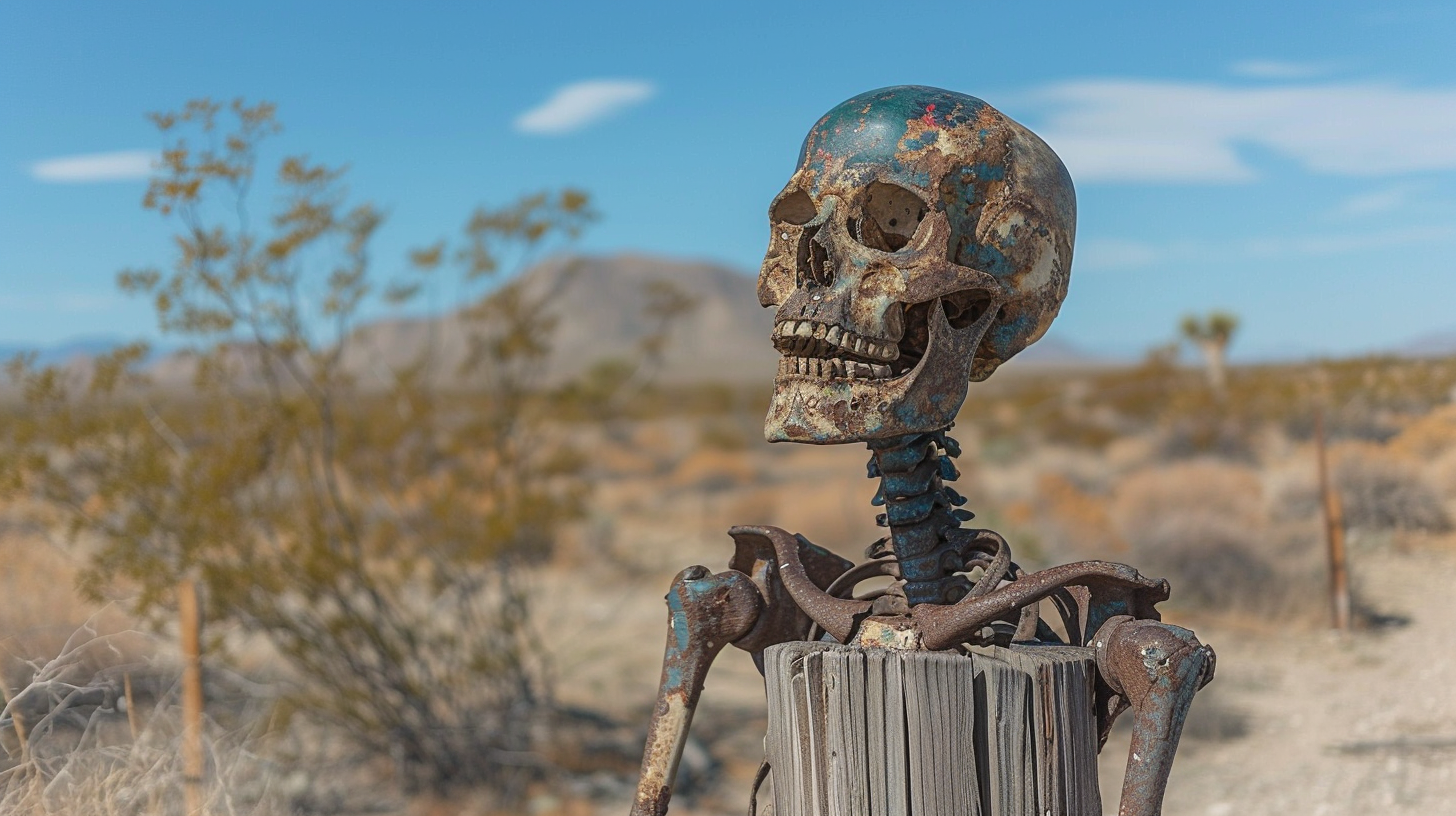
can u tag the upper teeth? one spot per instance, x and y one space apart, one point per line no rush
835 336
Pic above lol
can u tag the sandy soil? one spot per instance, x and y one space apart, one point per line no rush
1296 722
1335 725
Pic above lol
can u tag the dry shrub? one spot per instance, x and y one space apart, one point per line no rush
1195 489
1383 491
39 608
1072 519
1427 437
1292 489
1442 473
97 730
1202 525
712 470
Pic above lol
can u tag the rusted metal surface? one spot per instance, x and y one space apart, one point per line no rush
920 510
782 620
836 616
1156 669
944 627
705 613
923 240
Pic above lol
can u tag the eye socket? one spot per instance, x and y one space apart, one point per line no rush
891 214
795 208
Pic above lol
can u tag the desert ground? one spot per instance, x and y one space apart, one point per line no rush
1300 719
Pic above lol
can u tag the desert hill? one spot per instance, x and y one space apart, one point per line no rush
599 303
599 306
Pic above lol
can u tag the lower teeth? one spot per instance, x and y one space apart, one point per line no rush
834 368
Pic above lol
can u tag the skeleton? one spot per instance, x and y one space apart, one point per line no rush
923 240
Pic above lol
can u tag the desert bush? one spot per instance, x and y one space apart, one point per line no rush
1428 436
372 528
1381 491
1202 525
39 608
1071 520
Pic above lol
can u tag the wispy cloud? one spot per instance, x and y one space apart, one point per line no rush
72 301
1346 242
1182 132
1115 255
1112 254
123 165
1279 69
573 107
1375 202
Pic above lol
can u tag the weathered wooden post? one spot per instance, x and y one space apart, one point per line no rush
194 761
1334 517
923 240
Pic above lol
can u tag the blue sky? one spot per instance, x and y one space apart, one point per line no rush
1292 162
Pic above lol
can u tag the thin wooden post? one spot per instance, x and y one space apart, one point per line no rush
193 761
131 715
1334 531
19 723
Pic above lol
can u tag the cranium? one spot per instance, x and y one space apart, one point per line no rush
923 240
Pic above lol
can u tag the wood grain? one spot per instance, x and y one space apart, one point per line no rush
996 732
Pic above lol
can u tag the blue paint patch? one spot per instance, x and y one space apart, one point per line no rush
869 128
679 623
1003 335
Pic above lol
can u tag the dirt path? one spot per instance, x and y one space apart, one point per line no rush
1333 725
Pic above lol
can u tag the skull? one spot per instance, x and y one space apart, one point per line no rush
923 240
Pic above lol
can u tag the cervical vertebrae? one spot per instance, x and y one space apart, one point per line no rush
919 511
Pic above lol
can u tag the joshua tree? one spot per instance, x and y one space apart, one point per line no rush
1212 334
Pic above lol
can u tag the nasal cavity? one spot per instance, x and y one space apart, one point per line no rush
814 264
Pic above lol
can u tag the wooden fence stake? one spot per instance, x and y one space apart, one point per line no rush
193 760
1334 531
131 715
19 723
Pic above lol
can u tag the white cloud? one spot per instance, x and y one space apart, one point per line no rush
1375 202
123 165
1112 254
1346 242
1148 131
87 302
68 301
1279 69
573 107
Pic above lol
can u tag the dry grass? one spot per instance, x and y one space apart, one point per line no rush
96 731
39 609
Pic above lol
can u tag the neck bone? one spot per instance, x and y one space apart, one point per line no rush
920 512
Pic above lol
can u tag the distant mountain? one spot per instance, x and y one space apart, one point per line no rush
64 352
598 305
1438 344
1055 352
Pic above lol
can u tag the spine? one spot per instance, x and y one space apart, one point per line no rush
919 511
